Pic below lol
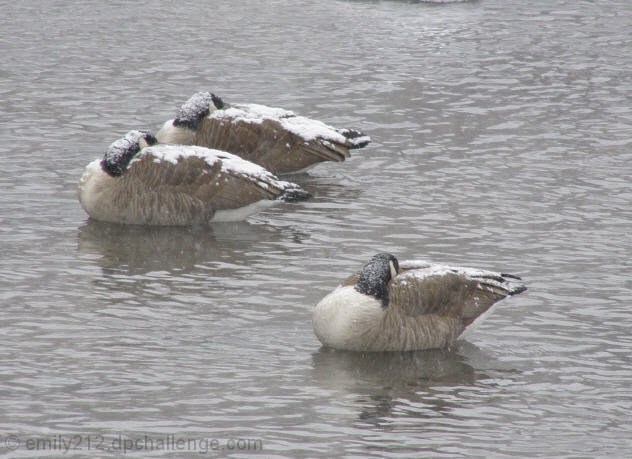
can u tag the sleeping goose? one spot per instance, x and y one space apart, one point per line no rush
141 182
276 139
387 306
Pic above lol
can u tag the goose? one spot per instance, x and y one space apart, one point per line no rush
274 138
139 181
415 305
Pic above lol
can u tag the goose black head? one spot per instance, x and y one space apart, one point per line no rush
375 276
120 153
196 108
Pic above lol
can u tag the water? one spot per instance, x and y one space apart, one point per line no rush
502 139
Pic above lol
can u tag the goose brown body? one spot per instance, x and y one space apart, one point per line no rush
180 185
428 306
276 139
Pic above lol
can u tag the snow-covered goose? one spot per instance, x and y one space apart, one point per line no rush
274 138
141 182
387 306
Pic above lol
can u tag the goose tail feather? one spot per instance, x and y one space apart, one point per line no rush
293 193
356 138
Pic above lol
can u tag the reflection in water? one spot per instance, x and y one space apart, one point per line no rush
382 381
135 249
392 371
219 267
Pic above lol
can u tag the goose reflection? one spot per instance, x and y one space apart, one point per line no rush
133 249
347 370
386 383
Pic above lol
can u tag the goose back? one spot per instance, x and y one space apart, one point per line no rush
176 185
266 143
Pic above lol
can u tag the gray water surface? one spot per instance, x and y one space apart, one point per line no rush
502 139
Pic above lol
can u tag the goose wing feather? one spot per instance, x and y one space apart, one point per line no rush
188 188
273 138
422 288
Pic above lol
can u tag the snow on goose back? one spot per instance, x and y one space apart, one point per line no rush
413 305
139 182
274 138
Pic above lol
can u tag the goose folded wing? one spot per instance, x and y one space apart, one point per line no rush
201 182
455 292
276 139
